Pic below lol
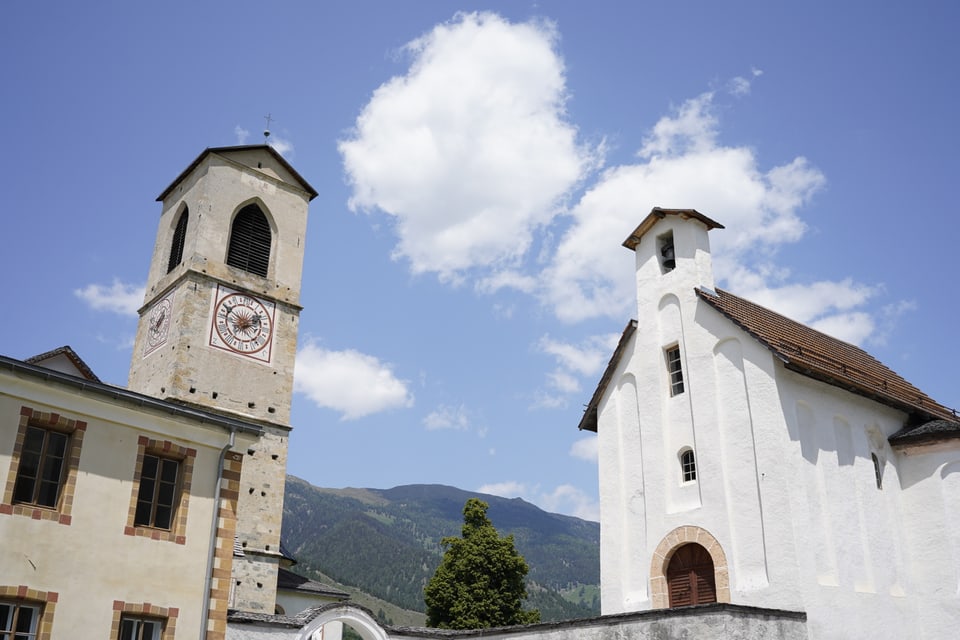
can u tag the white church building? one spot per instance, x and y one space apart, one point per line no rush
749 459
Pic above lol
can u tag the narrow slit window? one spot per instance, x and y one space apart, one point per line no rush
675 369
688 466
179 238
250 239
877 470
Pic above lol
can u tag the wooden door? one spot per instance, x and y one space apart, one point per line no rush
690 577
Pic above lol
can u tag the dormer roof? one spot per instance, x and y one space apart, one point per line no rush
658 214
65 360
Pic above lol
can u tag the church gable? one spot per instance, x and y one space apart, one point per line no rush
64 360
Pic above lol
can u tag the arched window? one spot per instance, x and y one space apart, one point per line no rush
688 465
877 470
179 237
250 241
690 576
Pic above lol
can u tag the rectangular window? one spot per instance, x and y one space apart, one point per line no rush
156 500
675 370
140 628
18 621
40 474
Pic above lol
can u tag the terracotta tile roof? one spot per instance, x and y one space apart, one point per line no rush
827 359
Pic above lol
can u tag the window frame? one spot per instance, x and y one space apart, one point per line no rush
11 632
688 465
140 624
156 484
61 510
144 612
45 602
674 363
185 457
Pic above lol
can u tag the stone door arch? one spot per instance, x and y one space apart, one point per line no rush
357 617
670 545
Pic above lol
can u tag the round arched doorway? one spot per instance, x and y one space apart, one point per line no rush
690 576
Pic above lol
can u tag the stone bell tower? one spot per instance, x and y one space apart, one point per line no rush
218 327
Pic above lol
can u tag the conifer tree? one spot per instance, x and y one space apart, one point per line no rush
480 581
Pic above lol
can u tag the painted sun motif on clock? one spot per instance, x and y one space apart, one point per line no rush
158 325
242 324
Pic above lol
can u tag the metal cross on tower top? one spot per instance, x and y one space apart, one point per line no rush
266 132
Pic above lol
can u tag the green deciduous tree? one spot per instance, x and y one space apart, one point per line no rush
480 581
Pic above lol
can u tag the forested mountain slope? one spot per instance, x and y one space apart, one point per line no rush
386 542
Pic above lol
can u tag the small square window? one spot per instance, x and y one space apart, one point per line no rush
133 628
157 498
18 621
675 369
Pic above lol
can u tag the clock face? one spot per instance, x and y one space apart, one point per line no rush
158 325
242 324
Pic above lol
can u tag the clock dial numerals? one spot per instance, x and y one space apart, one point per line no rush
158 326
243 324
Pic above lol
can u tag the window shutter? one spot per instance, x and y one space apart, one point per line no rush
179 237
250 241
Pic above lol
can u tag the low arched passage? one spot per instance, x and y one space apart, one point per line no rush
671 543
357 617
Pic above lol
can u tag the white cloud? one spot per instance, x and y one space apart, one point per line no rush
119 297
573 363
446 417
565 498
682 164
281 146
242 134
470 151
739 86
586 449
350 382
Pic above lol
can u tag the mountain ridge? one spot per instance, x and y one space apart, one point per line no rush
387 542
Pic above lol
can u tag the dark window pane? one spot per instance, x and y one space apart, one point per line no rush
6 616
149 467
163 517
143 513
169 471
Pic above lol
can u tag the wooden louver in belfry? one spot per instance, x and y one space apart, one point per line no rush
690 577
250 241
179 237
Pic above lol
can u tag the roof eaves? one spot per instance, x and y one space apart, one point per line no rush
71 355
589 420
130 397
659 213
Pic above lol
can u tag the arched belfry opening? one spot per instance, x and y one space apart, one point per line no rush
250 239
179 239
690 576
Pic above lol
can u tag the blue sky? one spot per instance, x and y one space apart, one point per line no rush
478 166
